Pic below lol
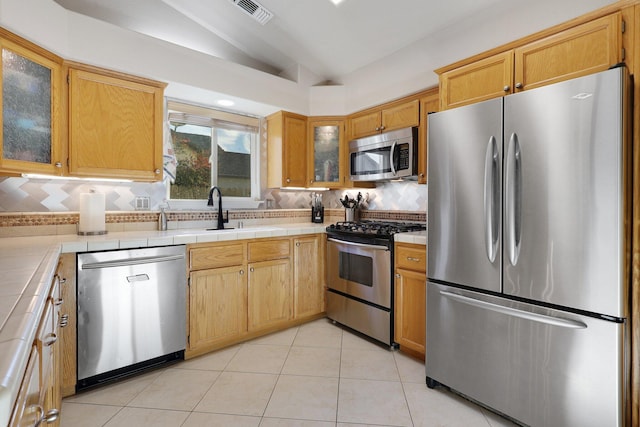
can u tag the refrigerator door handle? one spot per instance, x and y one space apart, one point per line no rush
491 186
513 202
535 317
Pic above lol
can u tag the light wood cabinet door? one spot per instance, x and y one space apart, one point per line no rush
286 150
366 124
68 340
410 310
326 152
585 49
219 255
30 105
270 295
400 116
115 126
262 250
27 410
307 276
428 104
217 306
485 79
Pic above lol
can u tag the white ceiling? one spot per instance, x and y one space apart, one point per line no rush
328 40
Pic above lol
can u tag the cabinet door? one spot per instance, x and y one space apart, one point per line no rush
326 139
485 79
410 310
401 116
364 125
307 277
217 306
585 49
295 152
30 105
28 410
115 127
428 104
67 272
269 296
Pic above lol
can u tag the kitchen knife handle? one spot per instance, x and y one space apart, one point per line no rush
491 199
513 192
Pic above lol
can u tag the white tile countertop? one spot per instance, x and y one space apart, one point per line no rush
416 237
27 266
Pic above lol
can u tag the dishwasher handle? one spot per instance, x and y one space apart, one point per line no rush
130 261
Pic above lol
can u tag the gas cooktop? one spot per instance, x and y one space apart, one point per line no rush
384 229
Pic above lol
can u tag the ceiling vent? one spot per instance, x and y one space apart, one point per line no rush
254 9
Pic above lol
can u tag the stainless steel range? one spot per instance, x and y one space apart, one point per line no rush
360 276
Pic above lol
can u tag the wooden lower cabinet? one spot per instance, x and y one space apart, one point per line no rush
269 294
68 340
243 289
307 276
410 298
217 304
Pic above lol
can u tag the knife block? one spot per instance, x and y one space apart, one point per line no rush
317 214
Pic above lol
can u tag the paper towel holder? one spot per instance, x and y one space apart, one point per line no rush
91 233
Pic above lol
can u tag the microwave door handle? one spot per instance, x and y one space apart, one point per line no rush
393 158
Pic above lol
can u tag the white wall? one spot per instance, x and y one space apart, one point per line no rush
199 77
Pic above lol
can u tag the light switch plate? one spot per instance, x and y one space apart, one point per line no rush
142 203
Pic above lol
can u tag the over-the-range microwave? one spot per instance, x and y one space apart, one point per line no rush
386 156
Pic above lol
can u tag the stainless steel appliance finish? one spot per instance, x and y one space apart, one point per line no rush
527 213
389 155
131 311
359 275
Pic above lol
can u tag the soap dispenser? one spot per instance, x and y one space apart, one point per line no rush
162 220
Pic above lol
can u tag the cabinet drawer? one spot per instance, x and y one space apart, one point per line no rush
216 256
269 249
411 257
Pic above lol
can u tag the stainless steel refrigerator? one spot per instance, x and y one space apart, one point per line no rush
528 252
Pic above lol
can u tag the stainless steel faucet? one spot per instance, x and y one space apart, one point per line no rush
221 219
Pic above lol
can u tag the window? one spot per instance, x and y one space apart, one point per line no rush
213 148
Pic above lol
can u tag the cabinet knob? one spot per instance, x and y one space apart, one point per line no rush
397 275
157 171
241 272
518 85
58 165
382 127
251 270
50 340
507 88
421 175
288 180
298 244
378 128
51 416
58 302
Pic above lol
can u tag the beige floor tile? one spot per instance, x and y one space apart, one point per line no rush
177 389
118 394
410 369
86 415
439 407
303 397
354 341
216 361
285 337
199 419
239 393
319 334
266 359
313 361
368 365
372 402
144 417
283 422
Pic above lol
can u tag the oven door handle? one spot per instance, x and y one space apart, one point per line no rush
360 245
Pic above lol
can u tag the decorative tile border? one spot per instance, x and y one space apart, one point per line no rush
296 215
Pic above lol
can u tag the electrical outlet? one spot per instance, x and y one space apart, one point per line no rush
142 203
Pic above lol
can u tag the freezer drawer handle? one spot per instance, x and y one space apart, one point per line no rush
513 192
131 261
535 317
360 245
491 200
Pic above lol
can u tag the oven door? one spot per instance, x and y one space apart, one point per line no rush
359 270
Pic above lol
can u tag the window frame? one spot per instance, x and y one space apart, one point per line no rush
209 112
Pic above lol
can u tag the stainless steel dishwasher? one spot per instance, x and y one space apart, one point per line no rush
131 311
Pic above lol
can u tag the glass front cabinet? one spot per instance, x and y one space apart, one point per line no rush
326 165
30 100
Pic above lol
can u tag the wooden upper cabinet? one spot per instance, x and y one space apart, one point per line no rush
115 125
585 49
429 103
485 79
30 104
396 115
286 150
326 152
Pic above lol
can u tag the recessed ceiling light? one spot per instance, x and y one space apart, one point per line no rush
336 2
226 102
